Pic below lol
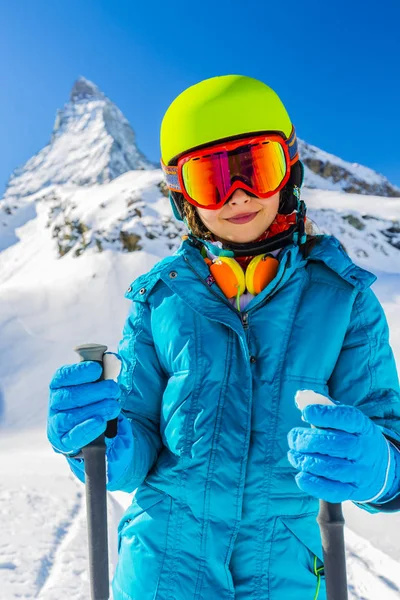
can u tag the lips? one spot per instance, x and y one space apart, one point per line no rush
243 218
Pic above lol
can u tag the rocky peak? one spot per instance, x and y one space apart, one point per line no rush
326 171
85 89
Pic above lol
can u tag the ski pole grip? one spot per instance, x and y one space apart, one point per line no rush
95 352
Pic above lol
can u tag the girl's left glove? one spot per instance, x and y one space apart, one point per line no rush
346 457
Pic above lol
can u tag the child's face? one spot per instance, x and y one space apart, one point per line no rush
241 203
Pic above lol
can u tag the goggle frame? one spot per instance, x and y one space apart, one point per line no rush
173 173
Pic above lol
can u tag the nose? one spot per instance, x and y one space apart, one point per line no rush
239 197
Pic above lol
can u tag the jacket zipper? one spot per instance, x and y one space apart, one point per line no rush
245 320
244 316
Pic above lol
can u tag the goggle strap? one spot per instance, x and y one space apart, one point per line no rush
171 177
292 147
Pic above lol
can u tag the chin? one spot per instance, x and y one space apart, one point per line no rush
240 239
243 237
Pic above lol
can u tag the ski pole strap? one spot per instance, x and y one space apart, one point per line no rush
318 572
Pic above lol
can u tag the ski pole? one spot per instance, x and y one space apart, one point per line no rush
94 455
331 523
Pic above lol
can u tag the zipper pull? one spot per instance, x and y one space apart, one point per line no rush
245 320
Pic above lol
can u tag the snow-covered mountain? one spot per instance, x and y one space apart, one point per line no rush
328 172
92 143
78 222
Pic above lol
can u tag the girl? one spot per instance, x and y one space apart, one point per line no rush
227 471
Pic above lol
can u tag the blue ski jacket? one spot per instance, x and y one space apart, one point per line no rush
209 392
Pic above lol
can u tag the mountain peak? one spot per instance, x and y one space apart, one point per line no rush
91 143
83 88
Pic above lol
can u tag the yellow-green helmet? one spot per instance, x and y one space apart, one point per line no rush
219 108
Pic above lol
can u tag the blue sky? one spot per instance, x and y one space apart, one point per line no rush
335 66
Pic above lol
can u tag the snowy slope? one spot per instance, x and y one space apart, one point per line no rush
77 225
44 298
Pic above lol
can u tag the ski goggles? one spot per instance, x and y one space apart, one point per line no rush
259 164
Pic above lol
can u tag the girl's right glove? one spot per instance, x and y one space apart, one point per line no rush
79 408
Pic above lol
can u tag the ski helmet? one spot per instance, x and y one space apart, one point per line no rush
219 108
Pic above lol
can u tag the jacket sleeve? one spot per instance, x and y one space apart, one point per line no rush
142 381
365 376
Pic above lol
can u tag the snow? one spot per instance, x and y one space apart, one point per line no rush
365 225
305 397
63 272
346 173
371 574
377 206
43 547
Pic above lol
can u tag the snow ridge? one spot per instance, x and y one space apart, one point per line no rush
329 172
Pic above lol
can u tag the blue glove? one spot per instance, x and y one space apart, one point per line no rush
79 408
349 459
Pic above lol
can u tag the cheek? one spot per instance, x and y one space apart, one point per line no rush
209 218
270 205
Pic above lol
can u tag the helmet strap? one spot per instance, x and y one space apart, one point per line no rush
176 209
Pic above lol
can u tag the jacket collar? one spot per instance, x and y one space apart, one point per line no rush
330 251
187 274
189 277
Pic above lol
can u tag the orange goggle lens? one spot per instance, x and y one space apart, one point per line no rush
208 177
